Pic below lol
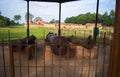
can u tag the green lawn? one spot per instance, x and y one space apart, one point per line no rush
17 32
20 32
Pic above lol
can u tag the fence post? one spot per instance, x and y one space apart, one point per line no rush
114 68
12 70
3 53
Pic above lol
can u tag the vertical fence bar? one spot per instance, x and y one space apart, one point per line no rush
59 60
75 32
67 65
82 63
27 58
3 57
8 35
89 64
110 56
11 57
75 59
43 33
19 50
96 70
35 57
12 69
44 46
84 34
103 68
52 66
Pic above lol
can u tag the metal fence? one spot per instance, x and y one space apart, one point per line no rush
38 60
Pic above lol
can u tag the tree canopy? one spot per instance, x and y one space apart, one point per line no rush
5 21
54 21
17 18
31 16
105 19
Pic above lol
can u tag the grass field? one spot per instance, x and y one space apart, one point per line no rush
20 32
17 32
40 33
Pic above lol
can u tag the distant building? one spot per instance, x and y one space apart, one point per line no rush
39 22
35 23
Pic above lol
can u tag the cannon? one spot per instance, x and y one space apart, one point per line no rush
22 42
26 45
86 43
61 44
58 44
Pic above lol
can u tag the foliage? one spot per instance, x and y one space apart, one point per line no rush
0 13
4 21
31 16
54 21
17 18
105 19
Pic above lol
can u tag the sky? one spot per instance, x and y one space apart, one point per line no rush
48 10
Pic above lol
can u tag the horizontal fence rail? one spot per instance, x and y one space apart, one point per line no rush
40 60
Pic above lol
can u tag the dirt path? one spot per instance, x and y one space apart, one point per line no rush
56 66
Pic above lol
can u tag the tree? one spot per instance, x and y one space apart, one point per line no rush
81 19
0 13
54 21
5 21
112 14
12 22
112 17
17 18
31 16
105 19
2 21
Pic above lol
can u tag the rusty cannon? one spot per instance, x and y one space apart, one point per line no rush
26 45
61 44
58 44
22 42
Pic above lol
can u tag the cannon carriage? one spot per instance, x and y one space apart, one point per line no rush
61 44
26 45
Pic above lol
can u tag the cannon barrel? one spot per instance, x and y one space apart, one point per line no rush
58 44
30 40
86 43
22 42
50 37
